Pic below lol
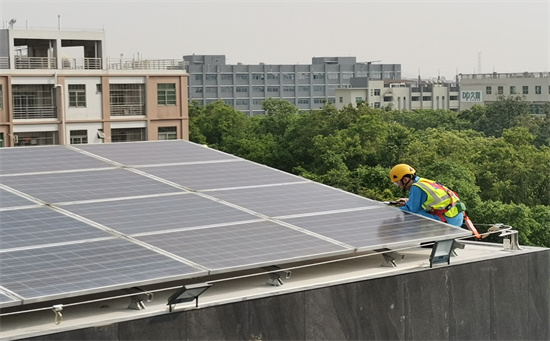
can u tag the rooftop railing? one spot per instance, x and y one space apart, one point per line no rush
22 63
506 75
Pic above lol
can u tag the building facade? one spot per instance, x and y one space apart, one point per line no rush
58 87
399 94
533 87
308 87
465 92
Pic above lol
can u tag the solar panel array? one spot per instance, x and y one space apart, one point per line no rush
85 219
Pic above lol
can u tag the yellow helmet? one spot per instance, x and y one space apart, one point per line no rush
399 171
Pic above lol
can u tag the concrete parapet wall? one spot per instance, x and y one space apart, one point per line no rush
498 299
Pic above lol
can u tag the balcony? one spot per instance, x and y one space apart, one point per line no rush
50 63
27 113
127 110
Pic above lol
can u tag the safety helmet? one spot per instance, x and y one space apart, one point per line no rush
399 171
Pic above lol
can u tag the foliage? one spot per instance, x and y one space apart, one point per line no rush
496 157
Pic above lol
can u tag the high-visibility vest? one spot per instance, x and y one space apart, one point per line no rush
440 198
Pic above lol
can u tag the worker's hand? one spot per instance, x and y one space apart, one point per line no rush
402 202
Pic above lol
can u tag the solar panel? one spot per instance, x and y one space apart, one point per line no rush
371 229
143 215
8 199
82 268
6 301
23 160
243 245
110 206
41 226
87 185
238 173
292 199
155 152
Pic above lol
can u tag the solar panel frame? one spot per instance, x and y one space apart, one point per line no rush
244 246
153 214
87 185
41 226
291 199
24 160
49 273
375 228
156 152
223 174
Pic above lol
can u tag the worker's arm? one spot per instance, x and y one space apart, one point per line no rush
414 203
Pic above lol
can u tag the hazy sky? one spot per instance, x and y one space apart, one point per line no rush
438 37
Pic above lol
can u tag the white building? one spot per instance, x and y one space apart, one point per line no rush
58 87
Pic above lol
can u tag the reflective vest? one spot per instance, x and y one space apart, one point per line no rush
441 200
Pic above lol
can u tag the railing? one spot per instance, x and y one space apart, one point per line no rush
4 62
34 112
82 63
127 110
506 75
34 63
93 63
145 64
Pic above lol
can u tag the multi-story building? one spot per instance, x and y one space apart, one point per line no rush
58 87
534 87
308 87
469 89
399 94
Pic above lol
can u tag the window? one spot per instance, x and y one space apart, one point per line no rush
453 98
79 136
257 101
303 100
487 90
358 99
538 90
168 133
272 76
228 102
226 77
211 77
512 89
272 89
258 89
1 98
257 76
242 76
376 92
303 75
318 100
377 104
226 89
166 94
318 76
332 75
127 99
288 89
197 90
211 90
127 134
288 76
303 88
525 90
426 98
77 95
341 99
241 102
318 88
415 98
241 89
500 90
347 75
198 77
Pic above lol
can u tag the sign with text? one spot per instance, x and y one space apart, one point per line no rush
470 96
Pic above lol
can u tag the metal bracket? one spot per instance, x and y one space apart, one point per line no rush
57 311
390 257
510 241
275 275
456 245
136 301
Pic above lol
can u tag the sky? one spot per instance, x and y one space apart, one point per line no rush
429 38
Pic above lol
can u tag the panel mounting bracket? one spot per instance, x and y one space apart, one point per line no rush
275 274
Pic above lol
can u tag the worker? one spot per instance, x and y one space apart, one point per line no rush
427 197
